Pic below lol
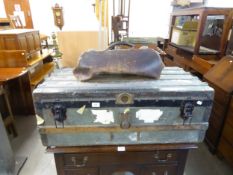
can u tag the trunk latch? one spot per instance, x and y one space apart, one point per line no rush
186 111
59 113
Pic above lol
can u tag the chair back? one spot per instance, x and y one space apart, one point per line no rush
16 22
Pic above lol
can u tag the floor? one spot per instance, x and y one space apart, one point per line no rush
200 161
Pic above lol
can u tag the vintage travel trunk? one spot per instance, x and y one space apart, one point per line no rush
121 109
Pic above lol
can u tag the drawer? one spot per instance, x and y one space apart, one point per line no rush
228 133
81 171
160 170
121 170
171 50
168 62
83 160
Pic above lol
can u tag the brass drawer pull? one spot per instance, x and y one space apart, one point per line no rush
157 157
82 164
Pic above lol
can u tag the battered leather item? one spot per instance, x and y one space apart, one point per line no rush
142 62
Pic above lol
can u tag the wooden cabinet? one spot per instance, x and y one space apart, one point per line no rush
226 142
20 48
20 39
136 160
198 38
220 77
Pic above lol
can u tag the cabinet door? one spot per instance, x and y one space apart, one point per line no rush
10 43
23 43
30 42
36 36
120 170
160 170
81 171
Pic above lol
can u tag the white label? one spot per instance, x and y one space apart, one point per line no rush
121 148
95 104
149 115
103 116
199 103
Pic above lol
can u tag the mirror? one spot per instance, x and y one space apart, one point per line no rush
212 34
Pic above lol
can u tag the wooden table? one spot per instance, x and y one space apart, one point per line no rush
17 83
11 164
7 74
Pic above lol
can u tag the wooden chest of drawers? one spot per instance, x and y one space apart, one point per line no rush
20 39
220 78
217 118
135 160
226 142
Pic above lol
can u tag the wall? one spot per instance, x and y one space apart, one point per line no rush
72 48
78 15
2 10
219 3
149 18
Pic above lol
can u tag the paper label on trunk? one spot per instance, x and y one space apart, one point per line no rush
149 115
103 116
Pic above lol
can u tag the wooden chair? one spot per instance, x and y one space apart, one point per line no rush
16 22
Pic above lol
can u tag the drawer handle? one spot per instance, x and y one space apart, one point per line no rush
82 164
157 157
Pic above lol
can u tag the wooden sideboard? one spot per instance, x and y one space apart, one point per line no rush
21 48
131 159
20 39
